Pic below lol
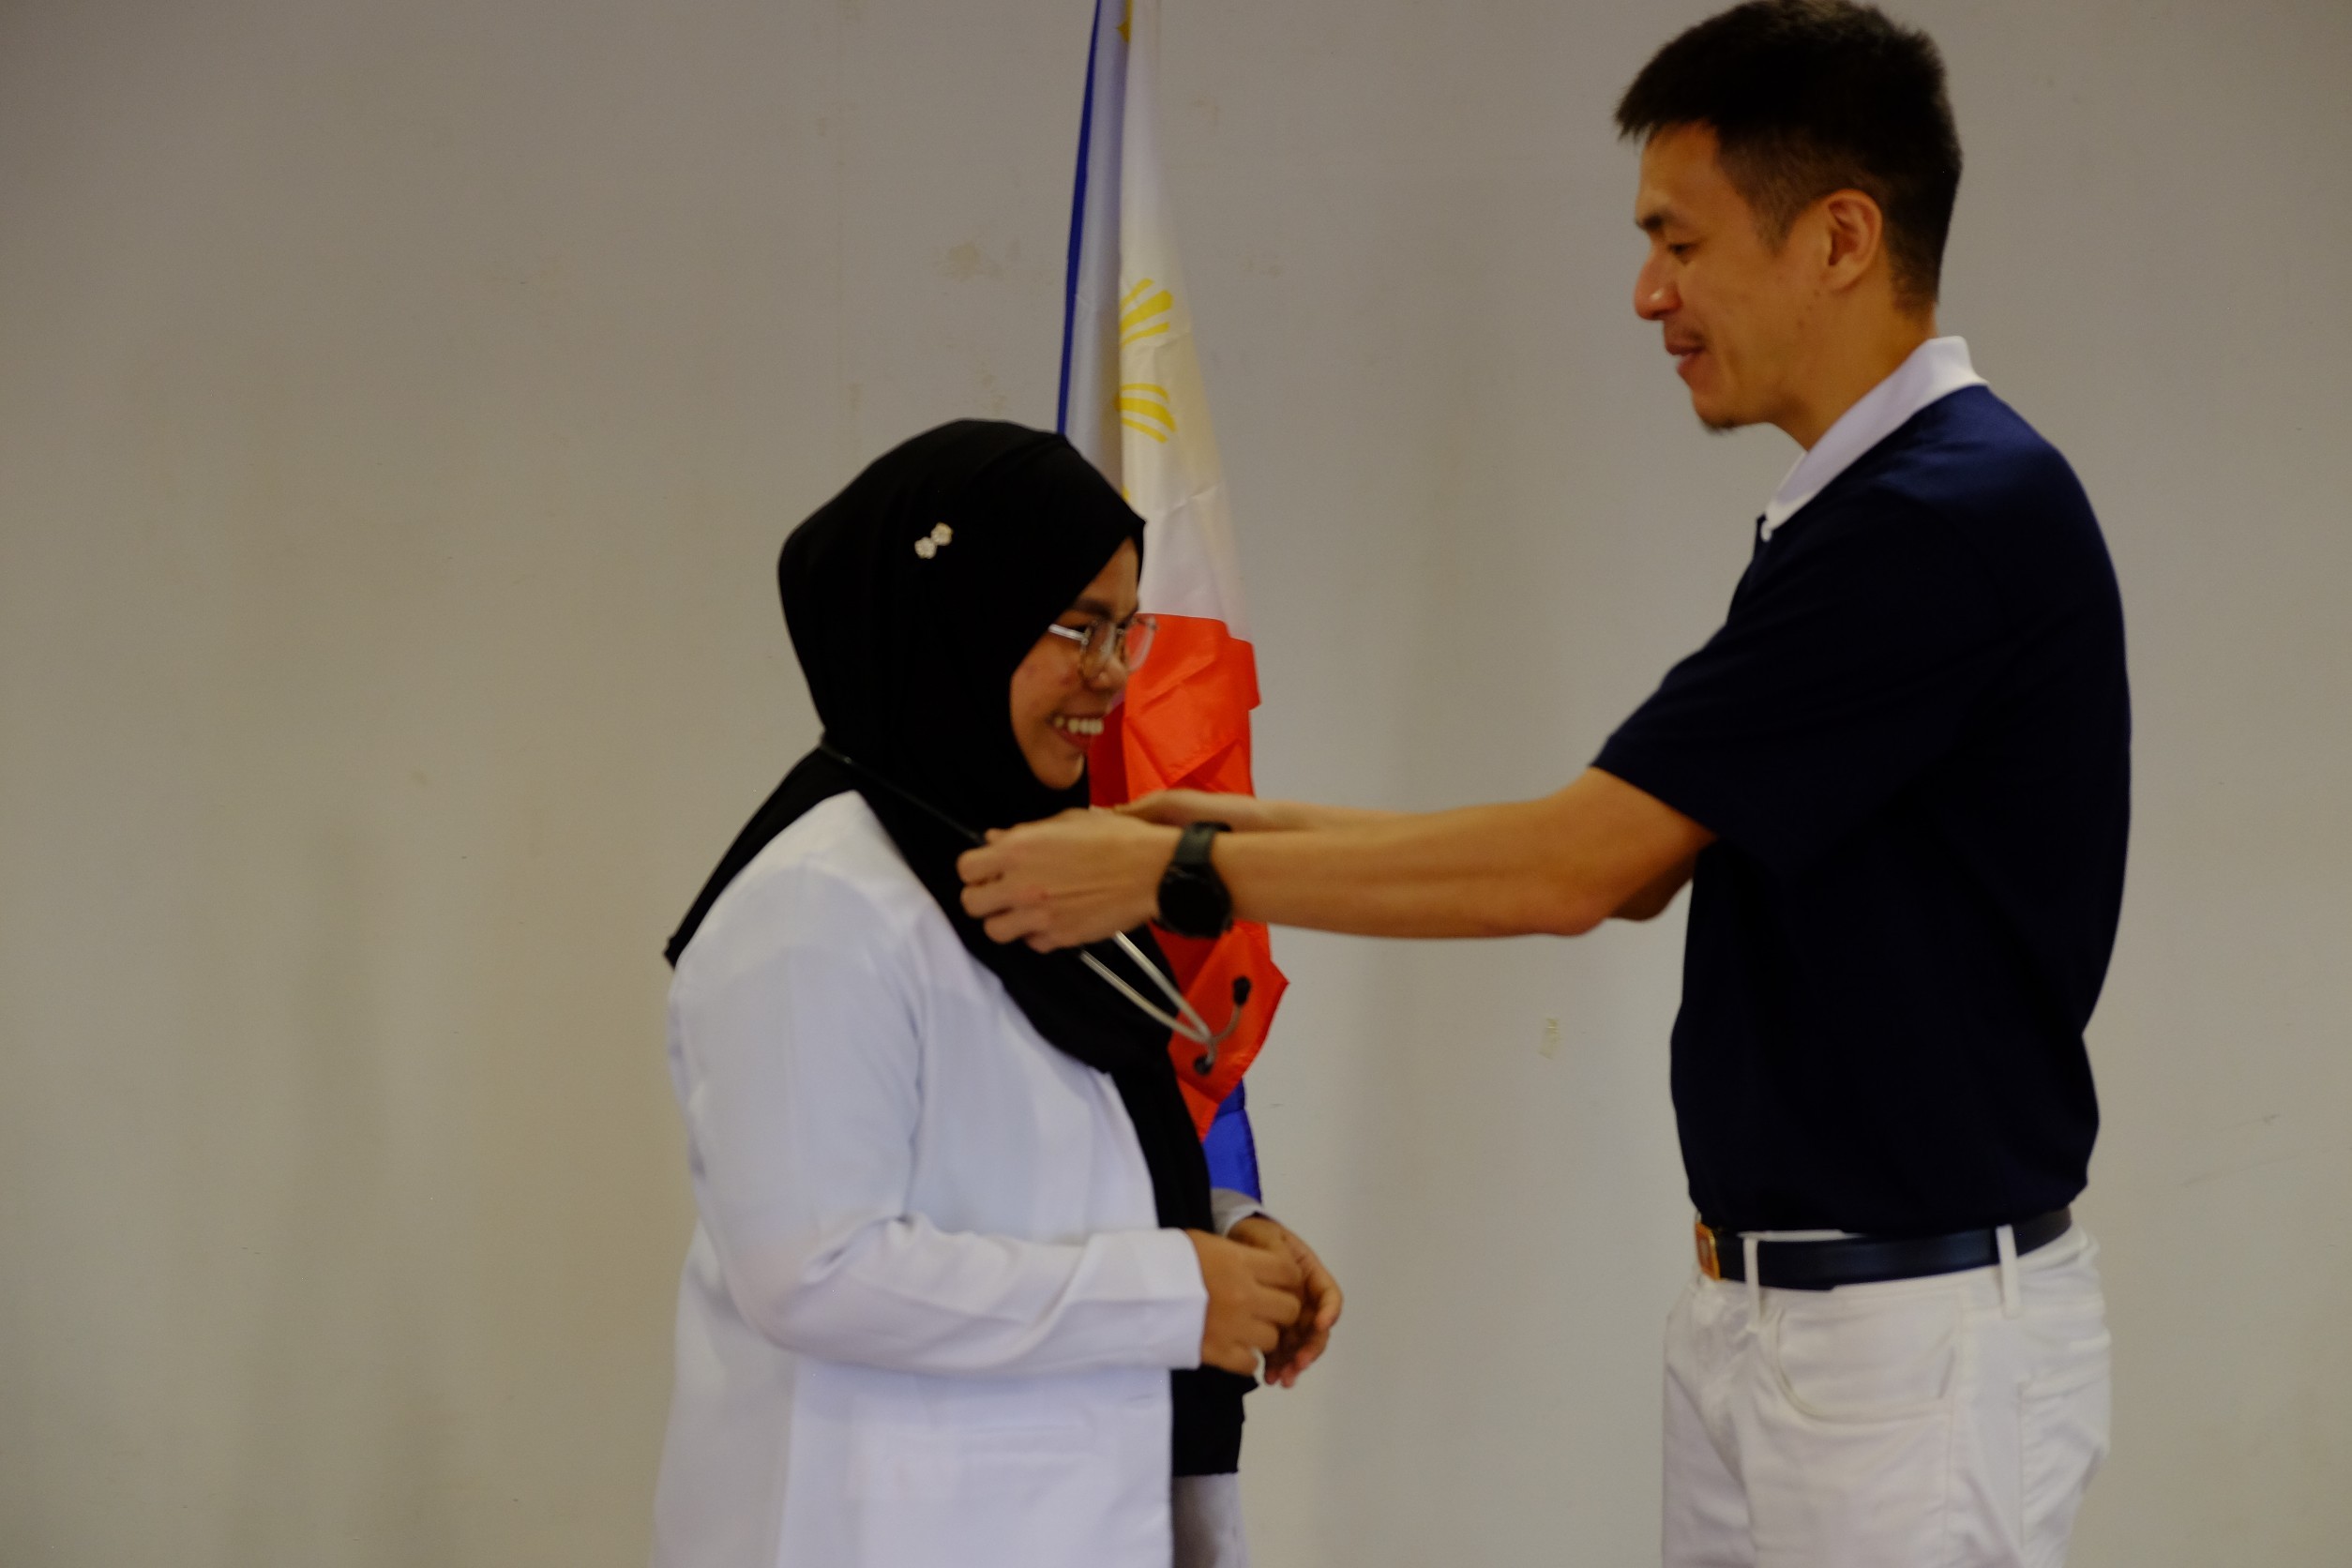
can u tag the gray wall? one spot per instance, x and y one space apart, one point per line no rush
400 408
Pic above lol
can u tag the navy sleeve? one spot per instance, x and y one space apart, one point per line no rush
1849 665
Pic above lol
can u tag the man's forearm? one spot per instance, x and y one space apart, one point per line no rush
1560 865
1299 815
1653 901
1247 813
1481 872
1556 866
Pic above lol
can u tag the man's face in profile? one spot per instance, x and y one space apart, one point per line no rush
1732 308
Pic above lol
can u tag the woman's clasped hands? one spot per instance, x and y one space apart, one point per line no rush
1268 1296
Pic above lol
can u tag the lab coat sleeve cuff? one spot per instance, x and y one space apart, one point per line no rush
1157 1273
1229 1208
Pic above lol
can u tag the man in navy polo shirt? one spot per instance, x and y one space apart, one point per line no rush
1898 780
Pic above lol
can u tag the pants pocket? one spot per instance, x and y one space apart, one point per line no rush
2063 1418
1851 1460
1864 1361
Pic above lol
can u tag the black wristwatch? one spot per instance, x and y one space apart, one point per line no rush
1193 900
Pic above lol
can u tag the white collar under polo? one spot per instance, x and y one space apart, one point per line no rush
1936 368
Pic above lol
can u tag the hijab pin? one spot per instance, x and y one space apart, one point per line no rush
927 546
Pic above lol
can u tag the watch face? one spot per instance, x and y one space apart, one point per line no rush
1193 900
1203 906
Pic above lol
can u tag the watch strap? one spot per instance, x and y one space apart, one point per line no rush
1193 900
1194 844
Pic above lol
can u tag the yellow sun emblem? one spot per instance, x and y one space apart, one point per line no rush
1148 310
1143 406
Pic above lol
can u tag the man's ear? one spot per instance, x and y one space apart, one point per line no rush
1855 232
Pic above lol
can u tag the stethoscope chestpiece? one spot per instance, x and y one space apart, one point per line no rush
1206 1063
1187 1020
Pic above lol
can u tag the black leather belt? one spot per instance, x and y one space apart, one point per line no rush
1868 1259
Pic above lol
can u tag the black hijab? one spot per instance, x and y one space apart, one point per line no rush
911 597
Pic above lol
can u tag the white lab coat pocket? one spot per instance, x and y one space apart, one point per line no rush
1009 1442
989 1474
896 1461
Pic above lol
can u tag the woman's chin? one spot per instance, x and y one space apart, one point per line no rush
1058 765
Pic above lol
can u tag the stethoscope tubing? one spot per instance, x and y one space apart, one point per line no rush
1185 1022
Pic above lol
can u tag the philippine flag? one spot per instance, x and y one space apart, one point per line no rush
1133 401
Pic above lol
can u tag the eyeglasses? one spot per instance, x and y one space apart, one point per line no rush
1100 642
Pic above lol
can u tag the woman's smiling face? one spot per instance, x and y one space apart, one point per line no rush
1056 710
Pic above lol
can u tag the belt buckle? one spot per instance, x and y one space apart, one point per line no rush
1709 1263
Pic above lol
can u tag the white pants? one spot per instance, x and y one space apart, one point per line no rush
1915 1423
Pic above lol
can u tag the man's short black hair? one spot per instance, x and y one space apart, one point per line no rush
1808 97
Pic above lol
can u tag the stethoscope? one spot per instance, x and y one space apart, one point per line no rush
1185 1022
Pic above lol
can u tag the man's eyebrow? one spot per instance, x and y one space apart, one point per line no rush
1654 221
1097 608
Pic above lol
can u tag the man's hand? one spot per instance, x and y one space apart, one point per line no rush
1069 879
1303 1341
1252 1298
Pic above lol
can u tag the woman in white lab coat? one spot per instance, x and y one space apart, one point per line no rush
953 1297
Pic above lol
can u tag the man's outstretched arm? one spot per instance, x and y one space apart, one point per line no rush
1560 865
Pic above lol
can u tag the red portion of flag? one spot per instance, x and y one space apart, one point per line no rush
1242 952
1185 725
